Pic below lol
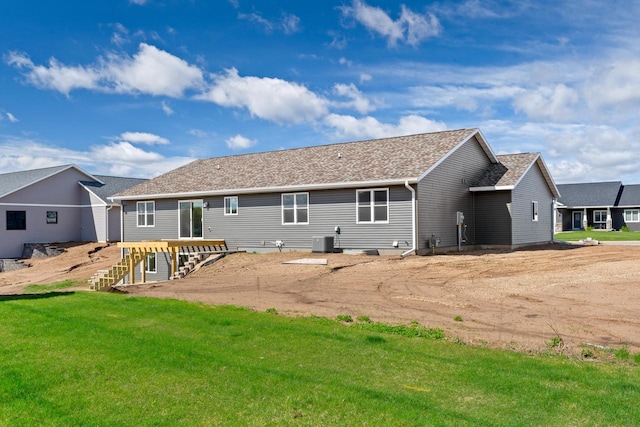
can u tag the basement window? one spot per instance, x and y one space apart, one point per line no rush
151 263
52 217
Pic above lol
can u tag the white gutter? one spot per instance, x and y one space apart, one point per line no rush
289 188
413 219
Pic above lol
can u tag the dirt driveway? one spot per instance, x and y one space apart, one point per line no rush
519 300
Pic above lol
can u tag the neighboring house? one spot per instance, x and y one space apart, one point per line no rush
394 195
601 205
58 204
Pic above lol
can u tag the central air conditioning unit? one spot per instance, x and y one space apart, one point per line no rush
322 244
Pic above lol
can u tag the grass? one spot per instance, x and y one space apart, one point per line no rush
47 288
108 359
605 236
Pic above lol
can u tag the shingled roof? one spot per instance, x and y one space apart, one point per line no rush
596 194
14 181
506 174
107 186
372 162
630 196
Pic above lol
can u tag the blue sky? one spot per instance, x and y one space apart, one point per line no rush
140 87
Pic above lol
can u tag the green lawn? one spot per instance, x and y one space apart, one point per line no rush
108 359
605 236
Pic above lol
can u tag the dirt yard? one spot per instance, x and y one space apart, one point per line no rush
519 300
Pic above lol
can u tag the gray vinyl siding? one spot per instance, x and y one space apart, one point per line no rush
93 218
445 191
163 269
258 223
60 193
617 217
493 219
113 227
532 187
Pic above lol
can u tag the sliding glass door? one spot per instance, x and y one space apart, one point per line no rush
190 219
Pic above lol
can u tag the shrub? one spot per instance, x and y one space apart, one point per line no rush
344 318
458 318
625 228
589 228
364 319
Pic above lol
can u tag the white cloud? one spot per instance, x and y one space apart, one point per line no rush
556 103
143 138
288 23
166 109
151 71
120 35
56 76
116 152
139 2
198 133
358 101
411 28
369 127
11 118
270 99
240 142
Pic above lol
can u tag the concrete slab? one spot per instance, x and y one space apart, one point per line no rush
308 261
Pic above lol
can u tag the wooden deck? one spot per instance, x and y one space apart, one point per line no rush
174 247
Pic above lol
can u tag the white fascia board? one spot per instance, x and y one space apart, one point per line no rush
590 207
102 202
283 189
492 188
44 205
483 144
627 206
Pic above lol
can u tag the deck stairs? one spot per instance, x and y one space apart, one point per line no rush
195 262
108 278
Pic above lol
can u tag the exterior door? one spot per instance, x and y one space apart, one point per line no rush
190 219
577 220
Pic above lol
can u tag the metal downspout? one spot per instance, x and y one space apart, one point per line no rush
413 219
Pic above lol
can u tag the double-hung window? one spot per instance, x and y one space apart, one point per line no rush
534 211
190 219
372 206
231 205
146 214
295 208
631 215
599 217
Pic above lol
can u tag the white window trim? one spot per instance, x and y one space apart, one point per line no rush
373 221
534 211
295 208
225 206
191 219
155 266
603 218
631 211
146 214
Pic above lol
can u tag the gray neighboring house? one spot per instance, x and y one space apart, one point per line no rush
394 195
58 204
601 205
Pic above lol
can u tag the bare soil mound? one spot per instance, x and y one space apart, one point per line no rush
79 261
519 300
